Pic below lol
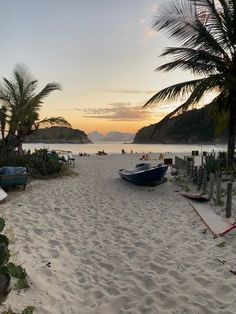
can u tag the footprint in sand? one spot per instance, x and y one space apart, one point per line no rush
107 267
158 269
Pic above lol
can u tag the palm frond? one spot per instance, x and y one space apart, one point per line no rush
50 87
205 60
217 15
11 92
177 19
189 24
53 121
177 91
195 67
212 83
218 109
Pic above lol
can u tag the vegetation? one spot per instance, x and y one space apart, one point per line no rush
19 113
206 31
211 164
44 163
8 269
27 310
195 126
39 163
57 134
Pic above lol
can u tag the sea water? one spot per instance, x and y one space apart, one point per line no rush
117 147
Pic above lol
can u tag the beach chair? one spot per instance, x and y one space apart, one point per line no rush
71 159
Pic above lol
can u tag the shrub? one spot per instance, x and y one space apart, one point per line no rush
8 269
41 162
44 163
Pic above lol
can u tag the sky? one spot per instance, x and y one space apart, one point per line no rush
102 52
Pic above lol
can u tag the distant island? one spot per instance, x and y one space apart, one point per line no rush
195 126
113 136
58 135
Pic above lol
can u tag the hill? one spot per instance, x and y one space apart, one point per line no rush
58 135
113 136
195 126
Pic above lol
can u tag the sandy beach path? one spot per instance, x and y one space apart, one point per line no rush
95 244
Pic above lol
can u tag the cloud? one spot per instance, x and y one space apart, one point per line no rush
118 112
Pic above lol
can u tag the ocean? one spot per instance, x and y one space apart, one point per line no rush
116 147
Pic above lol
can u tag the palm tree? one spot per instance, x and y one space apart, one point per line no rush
19 114
206 32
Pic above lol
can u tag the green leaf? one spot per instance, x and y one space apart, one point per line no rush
4 239
2 224
16 271
4 254
28 310
21 284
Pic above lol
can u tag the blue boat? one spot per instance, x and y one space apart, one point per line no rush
145 174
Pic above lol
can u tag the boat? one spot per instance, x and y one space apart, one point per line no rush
3 194
195 197
145 174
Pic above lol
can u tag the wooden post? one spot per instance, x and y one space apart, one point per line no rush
192 169
199 177
218 190
204 182
188 168
211 185
195 174
229 199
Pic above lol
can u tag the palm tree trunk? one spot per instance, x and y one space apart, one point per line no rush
232 131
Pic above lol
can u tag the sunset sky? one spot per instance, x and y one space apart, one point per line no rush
102 52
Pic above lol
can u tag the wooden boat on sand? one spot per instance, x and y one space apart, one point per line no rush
145 174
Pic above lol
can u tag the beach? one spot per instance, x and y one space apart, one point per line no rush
92 243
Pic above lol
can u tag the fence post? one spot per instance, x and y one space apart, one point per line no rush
218 190
188 167
229 199
192 169
211 185
195 174
204 182
199 177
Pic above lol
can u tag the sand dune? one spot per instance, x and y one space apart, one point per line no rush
94 244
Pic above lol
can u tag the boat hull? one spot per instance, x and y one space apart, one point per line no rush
3 194
150 177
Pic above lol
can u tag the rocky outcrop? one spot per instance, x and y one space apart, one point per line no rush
58 135
195 126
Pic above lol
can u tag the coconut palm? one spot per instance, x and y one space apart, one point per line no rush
206 32
19 114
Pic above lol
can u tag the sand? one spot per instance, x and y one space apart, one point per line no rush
114 247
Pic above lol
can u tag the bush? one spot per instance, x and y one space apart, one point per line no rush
44 163
14 160
8 269
41 162
211 164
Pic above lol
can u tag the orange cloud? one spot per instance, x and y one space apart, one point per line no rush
117 112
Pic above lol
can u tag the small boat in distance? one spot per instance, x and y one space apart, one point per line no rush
145 174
